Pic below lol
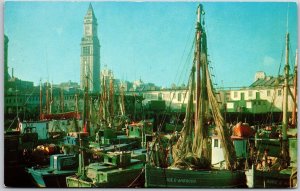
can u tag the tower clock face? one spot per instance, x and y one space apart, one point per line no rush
88 30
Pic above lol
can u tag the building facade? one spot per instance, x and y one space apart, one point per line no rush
263 96
6 75
90 53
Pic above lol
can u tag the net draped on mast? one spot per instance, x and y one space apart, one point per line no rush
195 149
185 141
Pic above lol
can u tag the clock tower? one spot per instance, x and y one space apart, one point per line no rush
90 53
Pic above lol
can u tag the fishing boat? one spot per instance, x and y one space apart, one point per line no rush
54 176
281 172
192 164
118 170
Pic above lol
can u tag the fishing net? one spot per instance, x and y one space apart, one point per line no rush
228 148
193 152
185 141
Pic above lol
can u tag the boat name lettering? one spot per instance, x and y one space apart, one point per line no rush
181 180
277 182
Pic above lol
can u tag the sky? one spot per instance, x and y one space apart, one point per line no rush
151 41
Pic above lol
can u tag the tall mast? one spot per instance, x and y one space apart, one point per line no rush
62 99
47 98
41 100
122 104
285 101
111 98
86 99
294 117
51 98
198 60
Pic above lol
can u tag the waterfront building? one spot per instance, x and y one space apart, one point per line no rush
90 53
6 75
263 96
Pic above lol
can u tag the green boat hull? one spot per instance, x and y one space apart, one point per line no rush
175 178
118 178
271 179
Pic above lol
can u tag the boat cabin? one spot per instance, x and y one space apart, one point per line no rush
217 154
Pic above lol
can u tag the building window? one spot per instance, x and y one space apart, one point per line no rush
279 93
228 96
174 95
216 143
166 96
268 93
86 50
250 93
179 97
235 94
160 96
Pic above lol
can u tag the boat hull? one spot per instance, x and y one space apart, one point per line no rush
114 179
171 178
273 179
44 178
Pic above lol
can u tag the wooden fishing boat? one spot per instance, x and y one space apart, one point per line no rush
177 178
192 154
281 173
118 170
54 176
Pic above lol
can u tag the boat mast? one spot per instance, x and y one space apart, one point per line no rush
198 61
51 98
86 99
122 104
47 98
111 99
295 90
41 100
285 102
62 99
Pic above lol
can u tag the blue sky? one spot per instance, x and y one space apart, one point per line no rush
149 40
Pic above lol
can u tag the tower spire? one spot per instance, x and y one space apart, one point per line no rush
90 52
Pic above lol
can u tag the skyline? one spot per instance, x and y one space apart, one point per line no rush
149 40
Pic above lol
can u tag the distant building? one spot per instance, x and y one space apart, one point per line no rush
6 75
265 95
139 85
69 86
90 53
259 75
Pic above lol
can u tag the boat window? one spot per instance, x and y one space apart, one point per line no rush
216 143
